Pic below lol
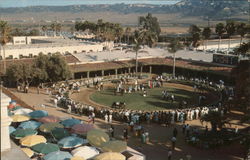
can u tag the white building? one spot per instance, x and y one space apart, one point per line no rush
32 46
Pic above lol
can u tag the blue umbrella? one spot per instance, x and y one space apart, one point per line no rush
70 142
70 122
30 124
58 155
11 129
38 114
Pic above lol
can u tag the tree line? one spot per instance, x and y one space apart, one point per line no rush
46 68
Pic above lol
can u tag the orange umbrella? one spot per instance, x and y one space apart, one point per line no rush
81 128
49 119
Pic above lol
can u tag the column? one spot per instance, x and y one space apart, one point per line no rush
116 72
150 69
129 70
102 72
5 122
88 74
141 69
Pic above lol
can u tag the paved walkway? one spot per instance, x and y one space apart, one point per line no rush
159 135
15 153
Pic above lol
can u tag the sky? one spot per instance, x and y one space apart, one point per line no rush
25 3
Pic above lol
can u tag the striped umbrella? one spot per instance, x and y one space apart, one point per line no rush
58 155
38 114
29 124
71 142
45 148
70 122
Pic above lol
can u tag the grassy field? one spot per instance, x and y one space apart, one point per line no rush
153 101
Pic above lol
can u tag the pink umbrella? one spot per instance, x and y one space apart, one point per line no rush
81 128
49 119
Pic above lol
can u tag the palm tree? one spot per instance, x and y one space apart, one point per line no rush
58 28
206 33
140 37
195 32
220 29
127 31
241 29
44 29
5 37
230 28
173 47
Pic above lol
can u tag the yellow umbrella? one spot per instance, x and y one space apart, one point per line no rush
114 146
110 156
77 158
20 118
97 137
48 127
32 140
28 152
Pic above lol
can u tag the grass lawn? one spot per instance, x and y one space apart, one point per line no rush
153 101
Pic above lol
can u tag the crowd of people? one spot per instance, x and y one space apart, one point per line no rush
167 117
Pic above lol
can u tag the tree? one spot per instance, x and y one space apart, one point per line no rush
230 28
215 118
243 49
44 29
58 28
241 75
220 30
128 32
4 38
241 29
195 32
206 33
173 47
150 23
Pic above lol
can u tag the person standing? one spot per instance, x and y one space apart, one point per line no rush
93 117
173 140
183 128
55 102
111 130
110 118
170 154
187 130
106 117
125 134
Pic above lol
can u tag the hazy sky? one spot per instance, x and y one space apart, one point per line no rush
24 3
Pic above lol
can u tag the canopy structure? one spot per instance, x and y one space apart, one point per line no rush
28 152
68 123
59 133
29 124
85 152
58 155
22 111
110 156
48 127
20 133
114 146
32 140
38 114
49 119
20 118
45 148
97 137
70 142
81 128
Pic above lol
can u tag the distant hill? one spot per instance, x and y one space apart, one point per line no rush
212 9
